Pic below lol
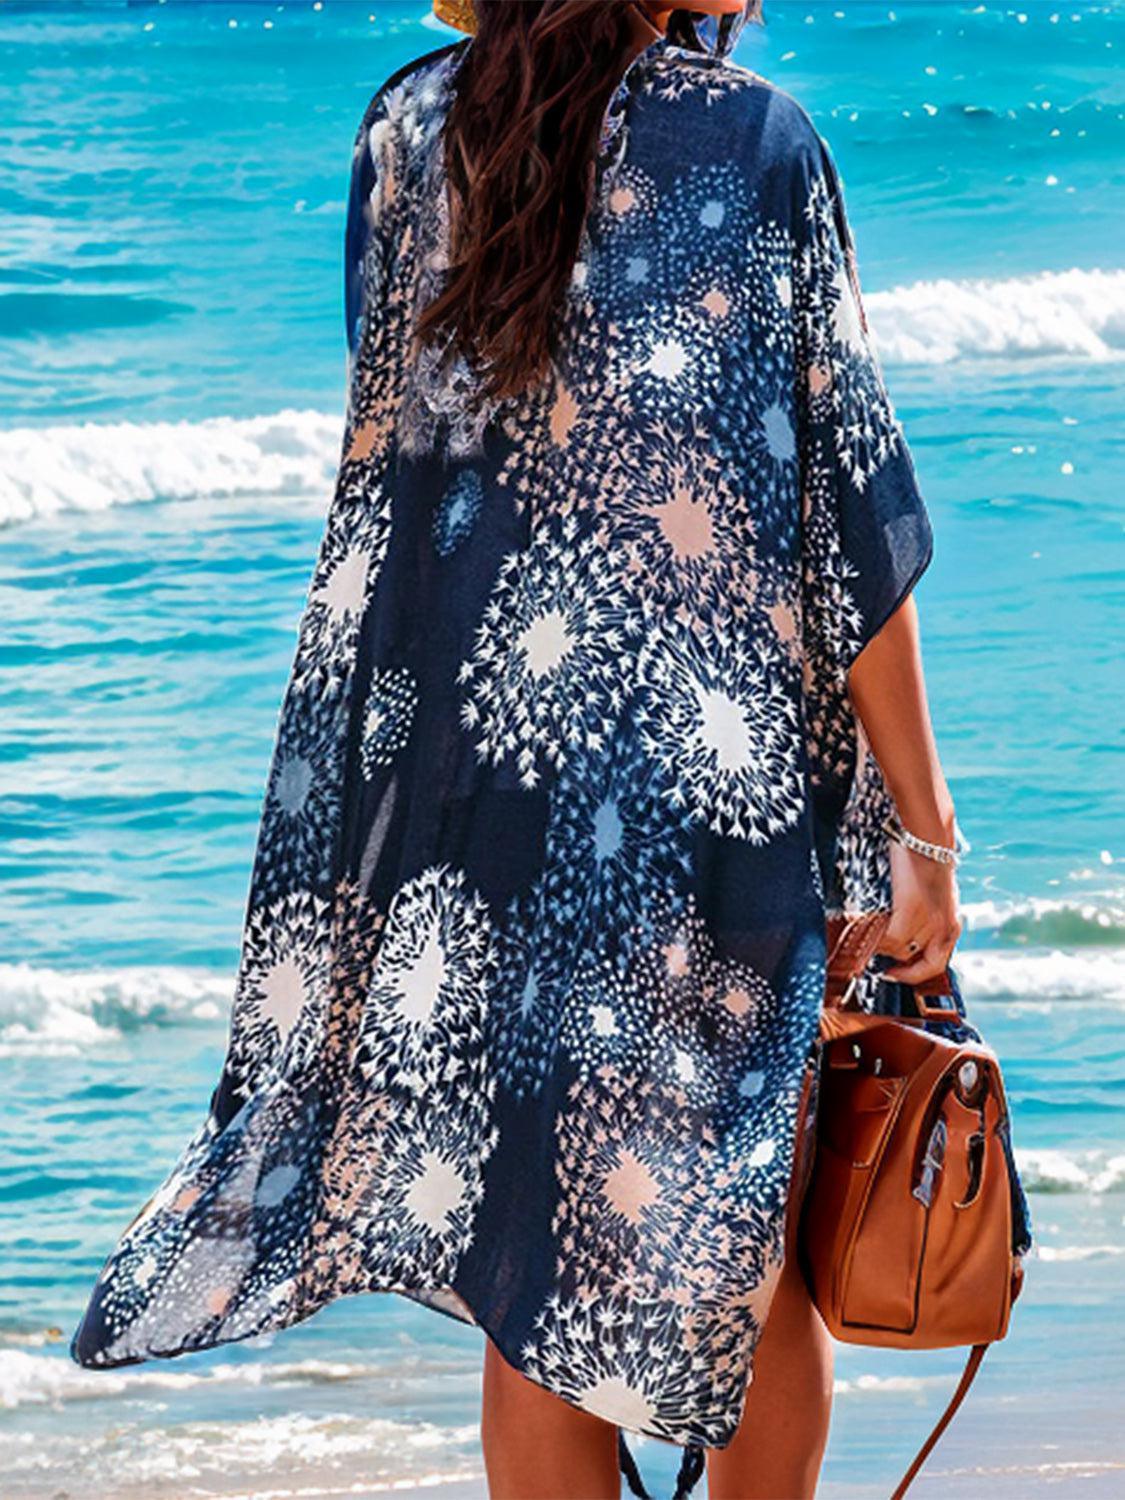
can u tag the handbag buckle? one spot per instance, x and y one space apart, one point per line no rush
936 1005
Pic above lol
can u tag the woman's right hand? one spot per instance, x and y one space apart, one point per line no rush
924 925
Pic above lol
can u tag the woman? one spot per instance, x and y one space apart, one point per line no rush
606 685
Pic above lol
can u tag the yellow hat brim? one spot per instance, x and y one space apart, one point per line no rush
458 13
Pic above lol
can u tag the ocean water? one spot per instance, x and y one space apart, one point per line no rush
172 179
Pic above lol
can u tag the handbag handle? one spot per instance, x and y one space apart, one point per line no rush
853 942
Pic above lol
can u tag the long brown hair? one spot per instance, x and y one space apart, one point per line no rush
520 141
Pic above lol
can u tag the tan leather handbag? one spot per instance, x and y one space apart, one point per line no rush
905 1232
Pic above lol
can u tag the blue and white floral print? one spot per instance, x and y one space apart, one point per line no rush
565 780
457 512
388 717
302 800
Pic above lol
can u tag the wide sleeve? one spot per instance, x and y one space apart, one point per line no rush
370 206
867 536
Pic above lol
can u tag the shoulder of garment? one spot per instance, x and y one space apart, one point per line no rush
761 126
415 69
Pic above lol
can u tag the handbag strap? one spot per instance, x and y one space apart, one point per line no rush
972 1365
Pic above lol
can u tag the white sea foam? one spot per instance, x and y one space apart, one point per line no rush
883 1385
1097 1171
1078 313
1039 978
1050 1472
59 1012
1068 1253
90 467
32 1379
53 1380
1097 920
30 1338
283 1455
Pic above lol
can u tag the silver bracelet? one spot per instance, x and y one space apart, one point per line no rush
939 852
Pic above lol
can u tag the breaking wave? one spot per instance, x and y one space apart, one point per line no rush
48 471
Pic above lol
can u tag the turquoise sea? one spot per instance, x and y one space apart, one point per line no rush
172 181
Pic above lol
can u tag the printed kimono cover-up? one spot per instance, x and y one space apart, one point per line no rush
565 780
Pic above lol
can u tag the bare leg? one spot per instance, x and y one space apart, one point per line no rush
777 1451
538 1446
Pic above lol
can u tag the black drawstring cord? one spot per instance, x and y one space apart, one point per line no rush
691 1467
629 1468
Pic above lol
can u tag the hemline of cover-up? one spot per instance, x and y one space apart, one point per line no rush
448 1298
512 1359
436 1299
789 1247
